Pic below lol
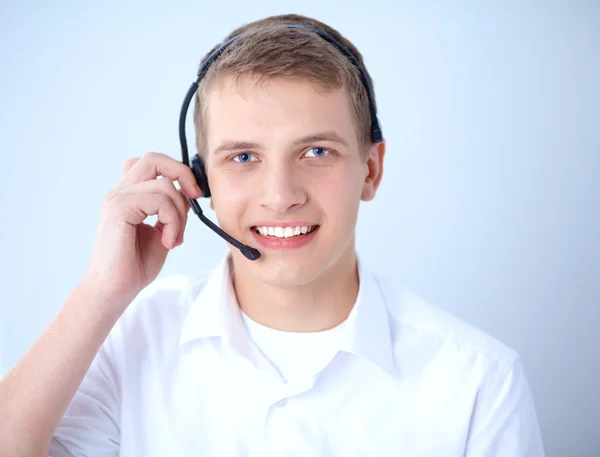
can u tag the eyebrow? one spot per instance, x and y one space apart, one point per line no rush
232 145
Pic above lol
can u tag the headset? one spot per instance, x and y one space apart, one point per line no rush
197 164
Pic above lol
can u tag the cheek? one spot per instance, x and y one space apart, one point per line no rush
339 194
229 196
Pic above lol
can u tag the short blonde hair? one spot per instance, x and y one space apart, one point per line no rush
269 50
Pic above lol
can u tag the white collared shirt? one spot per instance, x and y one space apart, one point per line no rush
180 376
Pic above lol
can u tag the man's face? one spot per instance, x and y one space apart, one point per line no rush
265 171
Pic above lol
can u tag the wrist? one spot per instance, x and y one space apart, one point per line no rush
96 298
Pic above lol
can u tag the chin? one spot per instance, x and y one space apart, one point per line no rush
298 270
288 272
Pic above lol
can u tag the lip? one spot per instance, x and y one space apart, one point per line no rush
283 224
272 242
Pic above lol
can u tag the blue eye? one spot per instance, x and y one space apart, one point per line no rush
318 152
244 157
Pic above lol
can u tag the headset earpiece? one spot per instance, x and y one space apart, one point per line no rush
200 174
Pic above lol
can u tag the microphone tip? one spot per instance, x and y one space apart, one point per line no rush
250 253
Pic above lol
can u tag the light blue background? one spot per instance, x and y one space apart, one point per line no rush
489 202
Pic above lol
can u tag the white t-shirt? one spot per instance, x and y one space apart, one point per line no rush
297 356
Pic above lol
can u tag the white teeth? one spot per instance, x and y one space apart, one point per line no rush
284 232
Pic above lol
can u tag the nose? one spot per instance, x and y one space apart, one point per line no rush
282 188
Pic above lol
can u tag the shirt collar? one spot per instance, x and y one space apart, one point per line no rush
366 333
215 313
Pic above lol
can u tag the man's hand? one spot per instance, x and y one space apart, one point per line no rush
129 254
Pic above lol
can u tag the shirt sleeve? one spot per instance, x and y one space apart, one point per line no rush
504 419
90 425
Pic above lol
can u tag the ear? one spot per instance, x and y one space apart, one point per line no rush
374 171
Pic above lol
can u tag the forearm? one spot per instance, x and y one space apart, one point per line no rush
35 394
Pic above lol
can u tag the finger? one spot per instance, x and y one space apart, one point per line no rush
185 201
128 164
170 221
134 208
162 185
158 225
155 164
187 211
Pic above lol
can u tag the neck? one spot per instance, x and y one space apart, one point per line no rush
319 305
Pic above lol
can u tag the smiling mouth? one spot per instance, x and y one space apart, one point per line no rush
285 232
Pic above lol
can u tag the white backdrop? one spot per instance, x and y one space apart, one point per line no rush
489 202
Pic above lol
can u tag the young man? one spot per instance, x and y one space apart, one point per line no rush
301 352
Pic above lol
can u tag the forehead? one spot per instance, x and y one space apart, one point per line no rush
276 111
